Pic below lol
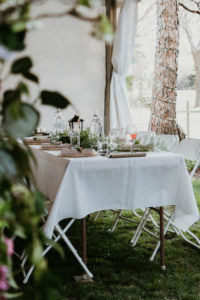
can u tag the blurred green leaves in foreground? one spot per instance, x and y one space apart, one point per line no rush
21 207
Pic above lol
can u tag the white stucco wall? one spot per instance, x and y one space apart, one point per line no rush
68 59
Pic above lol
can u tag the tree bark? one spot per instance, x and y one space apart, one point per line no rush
163 110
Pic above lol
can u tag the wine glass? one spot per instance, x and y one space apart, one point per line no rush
131 133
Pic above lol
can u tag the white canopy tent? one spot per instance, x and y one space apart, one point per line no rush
120 113
68 59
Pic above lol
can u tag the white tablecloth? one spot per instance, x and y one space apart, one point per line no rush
82 186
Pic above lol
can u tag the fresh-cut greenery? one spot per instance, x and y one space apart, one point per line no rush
88 140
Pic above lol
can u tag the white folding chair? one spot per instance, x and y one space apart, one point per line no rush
145 137
58 234
118 132
190 149
168 142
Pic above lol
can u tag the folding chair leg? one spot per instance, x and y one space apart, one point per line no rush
97 215
187 240
193 235
27 276
153 221
71 247
116 221
140 227
136 214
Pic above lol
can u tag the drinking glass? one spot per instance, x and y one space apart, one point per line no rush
54 136
131 133
74 138
103 146
114 138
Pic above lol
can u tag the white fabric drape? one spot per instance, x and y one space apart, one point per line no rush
123 48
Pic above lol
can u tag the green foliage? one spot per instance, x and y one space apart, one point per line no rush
54 99
20 119
11 39
84 2
31 76
104 30
16 161
87 140
21 207
190 165
129 82
22 66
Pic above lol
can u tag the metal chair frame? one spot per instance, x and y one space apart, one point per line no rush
194 155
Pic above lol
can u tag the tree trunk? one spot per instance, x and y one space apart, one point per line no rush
163 110
196 56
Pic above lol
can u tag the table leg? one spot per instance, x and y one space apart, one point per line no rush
162 239
84 241
84 278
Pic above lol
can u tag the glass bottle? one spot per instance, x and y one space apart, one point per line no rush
59 122
100 127
94 124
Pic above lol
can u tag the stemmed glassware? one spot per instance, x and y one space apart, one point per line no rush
131 133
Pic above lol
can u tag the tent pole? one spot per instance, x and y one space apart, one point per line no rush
111 12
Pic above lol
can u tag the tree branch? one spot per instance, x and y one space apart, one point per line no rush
71 12
190 10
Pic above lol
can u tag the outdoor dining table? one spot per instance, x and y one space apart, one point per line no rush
77 187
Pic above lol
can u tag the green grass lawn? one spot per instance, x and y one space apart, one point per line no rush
122 272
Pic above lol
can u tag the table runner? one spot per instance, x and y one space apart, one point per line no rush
81 186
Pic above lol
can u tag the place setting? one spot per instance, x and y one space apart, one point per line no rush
72 140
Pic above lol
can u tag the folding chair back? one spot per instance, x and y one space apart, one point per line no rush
169 142
118 132
145 137
190 149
